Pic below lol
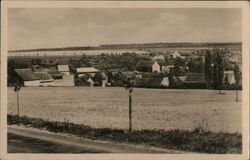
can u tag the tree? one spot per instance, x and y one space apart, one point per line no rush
237 80
179 63
218 71
98 78
208 68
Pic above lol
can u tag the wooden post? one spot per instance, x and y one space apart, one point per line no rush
17 103
130 111
237 95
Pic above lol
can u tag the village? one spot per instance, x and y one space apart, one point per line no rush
171 69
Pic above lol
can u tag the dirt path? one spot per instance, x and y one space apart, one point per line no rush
19 137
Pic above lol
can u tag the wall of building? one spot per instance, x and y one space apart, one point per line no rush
34 83
156 67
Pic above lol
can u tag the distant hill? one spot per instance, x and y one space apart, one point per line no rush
135 46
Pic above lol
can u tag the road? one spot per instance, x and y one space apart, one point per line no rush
28 140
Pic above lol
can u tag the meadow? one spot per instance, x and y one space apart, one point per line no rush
165 109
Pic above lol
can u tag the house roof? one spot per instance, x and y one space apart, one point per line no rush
27 74
145 64
195 78
63 68
43 76
87 70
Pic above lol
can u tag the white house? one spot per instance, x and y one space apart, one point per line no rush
229 77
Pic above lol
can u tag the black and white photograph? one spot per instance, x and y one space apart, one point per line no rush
113 79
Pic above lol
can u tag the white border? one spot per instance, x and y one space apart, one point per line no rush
126 4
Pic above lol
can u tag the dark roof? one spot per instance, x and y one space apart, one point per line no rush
30 75
195 78
27 74
145 64
43 76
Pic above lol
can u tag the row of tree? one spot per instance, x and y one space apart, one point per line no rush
214 70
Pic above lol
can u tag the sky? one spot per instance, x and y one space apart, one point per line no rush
30 28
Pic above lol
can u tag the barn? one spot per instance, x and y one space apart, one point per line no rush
28 77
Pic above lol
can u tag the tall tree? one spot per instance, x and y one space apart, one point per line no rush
237 80
218 71
208 68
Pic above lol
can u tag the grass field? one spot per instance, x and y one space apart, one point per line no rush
152 108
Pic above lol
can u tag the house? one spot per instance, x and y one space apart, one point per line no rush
64 69
158 57
165 82
86 70
148 66
229 77
195 80
28 77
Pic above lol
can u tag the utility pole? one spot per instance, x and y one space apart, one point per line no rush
129 83
17 89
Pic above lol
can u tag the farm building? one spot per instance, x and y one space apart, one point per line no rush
28 77
148 66
195 80
229 77
64 69
86 70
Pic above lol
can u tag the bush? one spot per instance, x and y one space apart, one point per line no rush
197 140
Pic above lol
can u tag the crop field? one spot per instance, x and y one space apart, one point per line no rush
152 108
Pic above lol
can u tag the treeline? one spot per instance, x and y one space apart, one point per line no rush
134 46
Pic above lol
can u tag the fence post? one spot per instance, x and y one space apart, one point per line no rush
130 111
